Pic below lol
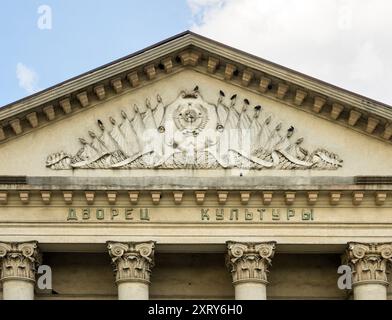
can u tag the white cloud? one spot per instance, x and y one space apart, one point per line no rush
367 53
201 5
27 77
345 42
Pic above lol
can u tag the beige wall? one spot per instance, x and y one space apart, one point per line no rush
81 275
304 276
191 276
194 276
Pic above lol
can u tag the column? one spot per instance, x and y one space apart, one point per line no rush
132 263
19 263
369 263
248 264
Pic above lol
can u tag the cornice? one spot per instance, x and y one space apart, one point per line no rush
294 77
267 197
189 50
166 182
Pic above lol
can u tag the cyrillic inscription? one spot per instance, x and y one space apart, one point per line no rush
113 214
255 215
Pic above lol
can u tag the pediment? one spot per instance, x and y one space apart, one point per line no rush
191 132
192 103
189 50
196 123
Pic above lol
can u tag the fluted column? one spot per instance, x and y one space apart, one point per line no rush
132 263
369 263
248 264
19 263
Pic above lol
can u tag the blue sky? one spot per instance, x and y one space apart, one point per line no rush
345 42
85 34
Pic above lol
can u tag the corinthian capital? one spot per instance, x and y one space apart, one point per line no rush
19 260
369 262
249 262
132 261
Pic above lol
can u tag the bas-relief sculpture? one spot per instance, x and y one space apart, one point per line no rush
192 133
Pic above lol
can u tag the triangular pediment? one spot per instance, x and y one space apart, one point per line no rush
190 132
192 103
189 50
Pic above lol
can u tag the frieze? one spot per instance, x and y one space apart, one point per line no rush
191 133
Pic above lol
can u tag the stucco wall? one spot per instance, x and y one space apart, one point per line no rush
194 276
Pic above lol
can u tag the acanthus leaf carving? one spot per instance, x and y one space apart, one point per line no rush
19 260
370 262
132 261
249 261
193 133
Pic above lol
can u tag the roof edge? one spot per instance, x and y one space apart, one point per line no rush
134 54
186 33
188 49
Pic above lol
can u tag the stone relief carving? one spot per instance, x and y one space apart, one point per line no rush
132 261
249 261
369 262
19 260
193 133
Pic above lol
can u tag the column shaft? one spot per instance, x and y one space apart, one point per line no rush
133 291
250 291
18 290
370 291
